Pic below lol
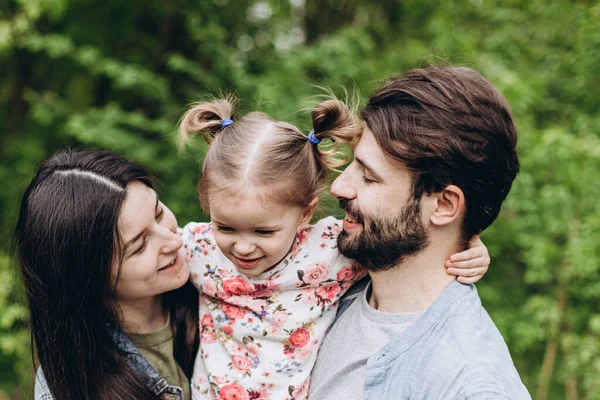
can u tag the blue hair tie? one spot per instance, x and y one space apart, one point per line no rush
225 122
312 138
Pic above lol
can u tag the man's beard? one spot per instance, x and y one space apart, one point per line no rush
384 242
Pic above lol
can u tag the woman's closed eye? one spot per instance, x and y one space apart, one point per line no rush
159 214
142 247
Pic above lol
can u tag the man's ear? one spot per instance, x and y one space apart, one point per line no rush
308 211
450 204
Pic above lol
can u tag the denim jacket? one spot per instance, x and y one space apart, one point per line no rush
155 383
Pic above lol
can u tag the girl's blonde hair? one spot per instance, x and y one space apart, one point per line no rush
271 158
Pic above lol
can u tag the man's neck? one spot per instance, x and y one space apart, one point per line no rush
143 315
412 285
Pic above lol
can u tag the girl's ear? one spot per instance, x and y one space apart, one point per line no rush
309 211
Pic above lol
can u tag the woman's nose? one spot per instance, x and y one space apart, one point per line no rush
172 240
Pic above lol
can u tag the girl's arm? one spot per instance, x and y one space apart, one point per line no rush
470 265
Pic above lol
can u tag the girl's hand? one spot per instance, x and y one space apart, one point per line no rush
471 264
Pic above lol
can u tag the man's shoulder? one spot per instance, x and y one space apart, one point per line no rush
486 367
461 351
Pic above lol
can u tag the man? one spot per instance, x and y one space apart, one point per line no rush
436 159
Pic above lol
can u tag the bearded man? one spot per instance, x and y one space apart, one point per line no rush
435 160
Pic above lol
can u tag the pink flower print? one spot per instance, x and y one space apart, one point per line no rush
241 363
232 311
316 274
324 235
201 228
304 353
300 337
208 287
273 329
265 289
225 273
207 321
219 380
208 337
253 349
345 274
279 317
233 391
259 394
309 296
336 229
302 235
302 391
295 250
329 291
238 286
222 295
228 330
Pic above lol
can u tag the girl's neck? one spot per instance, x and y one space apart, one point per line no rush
143 315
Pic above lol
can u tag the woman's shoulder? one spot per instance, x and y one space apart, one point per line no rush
41 389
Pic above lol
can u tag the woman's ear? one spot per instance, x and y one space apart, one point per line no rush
450 204
309 211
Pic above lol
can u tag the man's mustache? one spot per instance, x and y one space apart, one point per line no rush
350 209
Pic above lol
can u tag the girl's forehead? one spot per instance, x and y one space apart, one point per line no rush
250 210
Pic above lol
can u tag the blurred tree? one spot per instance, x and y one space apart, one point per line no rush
117 75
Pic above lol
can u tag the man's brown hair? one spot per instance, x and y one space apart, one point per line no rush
450 126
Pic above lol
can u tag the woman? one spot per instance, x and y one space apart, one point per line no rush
112 314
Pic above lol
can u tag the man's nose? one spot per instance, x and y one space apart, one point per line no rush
342 187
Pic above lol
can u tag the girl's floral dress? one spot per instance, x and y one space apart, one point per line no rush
259 337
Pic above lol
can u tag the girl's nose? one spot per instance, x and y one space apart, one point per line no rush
244 248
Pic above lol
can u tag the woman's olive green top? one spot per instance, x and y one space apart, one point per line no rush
157 348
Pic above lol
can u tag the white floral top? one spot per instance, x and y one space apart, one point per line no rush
259 337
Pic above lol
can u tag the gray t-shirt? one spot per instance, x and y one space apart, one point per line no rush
343 376
453 351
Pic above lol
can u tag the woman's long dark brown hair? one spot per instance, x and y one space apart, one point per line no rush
67 241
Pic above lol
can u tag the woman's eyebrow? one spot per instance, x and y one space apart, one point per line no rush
139 235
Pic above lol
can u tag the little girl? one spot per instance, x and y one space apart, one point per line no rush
269 283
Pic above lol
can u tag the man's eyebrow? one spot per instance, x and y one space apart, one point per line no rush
368 168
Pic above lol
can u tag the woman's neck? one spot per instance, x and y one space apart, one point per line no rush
143 315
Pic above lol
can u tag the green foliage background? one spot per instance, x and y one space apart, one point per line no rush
118 74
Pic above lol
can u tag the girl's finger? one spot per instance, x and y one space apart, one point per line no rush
475 252
474 263
480 271
468 280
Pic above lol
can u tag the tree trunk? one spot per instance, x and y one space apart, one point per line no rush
551 350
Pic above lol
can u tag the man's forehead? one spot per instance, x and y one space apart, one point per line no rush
367 150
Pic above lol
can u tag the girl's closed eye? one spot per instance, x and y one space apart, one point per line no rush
224 228
265 232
